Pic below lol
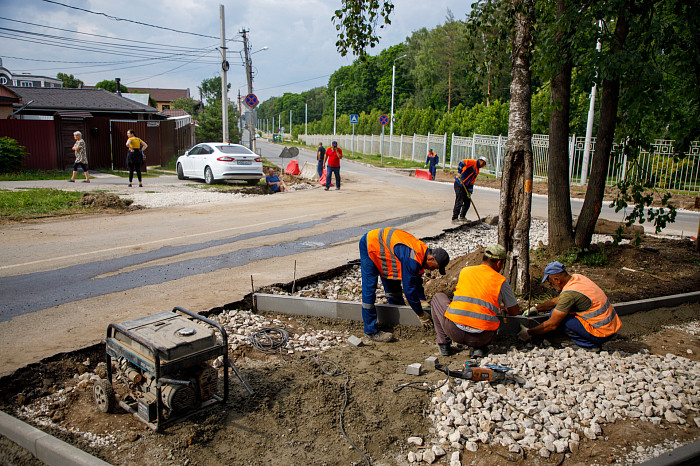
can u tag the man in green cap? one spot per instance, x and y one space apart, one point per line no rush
471 317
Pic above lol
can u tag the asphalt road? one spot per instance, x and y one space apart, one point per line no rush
63 280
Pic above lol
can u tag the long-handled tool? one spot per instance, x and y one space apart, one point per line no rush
478 217
488 373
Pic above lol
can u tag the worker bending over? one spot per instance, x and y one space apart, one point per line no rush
399 259
467 171
471 317
582 310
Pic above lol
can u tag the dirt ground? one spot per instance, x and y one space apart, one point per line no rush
680 201
294 416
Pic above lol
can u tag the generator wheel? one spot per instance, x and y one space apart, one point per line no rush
105 399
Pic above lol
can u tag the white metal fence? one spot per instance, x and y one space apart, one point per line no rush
660 166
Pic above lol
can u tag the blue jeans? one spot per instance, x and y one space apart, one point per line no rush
370 274
319 168
574 329
432 169
329 171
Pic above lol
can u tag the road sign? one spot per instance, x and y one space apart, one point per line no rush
383 120
354 119
251 100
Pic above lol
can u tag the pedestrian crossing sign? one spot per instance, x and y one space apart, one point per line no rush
354 119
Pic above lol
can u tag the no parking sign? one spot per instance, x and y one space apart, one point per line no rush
383 120
251 100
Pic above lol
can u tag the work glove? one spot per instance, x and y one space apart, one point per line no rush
426 320
530 312
523 335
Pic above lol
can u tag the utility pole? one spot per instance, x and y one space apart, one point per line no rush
249 77
224 69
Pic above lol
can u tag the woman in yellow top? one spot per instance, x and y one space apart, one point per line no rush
134 158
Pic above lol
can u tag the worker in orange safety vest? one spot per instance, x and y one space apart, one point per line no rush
471 318
467 171
582 310
400 260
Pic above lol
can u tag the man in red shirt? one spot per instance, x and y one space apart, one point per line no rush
332 163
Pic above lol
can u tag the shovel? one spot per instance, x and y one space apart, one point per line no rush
478 217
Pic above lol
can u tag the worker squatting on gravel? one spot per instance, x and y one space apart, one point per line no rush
471 317
582 310
399 259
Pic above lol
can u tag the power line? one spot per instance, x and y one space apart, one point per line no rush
295 82
128 20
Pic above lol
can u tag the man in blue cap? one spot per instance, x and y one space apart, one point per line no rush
582 310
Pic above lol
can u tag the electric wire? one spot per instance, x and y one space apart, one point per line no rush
334 373
269 339
115 18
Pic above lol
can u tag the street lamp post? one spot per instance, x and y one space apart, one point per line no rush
391 119
290 124
335 106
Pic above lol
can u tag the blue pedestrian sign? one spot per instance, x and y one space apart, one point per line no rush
383 120
354 119
251 100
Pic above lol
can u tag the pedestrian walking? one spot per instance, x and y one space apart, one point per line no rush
471 317
80 157
432 162
400 260
320 157
332 163
135 155
467 171
582 310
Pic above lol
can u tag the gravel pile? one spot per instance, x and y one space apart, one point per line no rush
554 397
240 325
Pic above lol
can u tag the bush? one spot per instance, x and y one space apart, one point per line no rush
11 155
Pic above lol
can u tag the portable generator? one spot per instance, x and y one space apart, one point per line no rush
166 361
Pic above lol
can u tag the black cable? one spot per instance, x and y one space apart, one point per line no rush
128 20
333 373
269 339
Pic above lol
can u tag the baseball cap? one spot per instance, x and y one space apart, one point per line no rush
484 160
552 269
495 251
441 257
335 143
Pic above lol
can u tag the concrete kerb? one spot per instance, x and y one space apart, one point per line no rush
43 446
685 455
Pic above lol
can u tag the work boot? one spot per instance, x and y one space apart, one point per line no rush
445 349
463 220
381 337
456 222
480 352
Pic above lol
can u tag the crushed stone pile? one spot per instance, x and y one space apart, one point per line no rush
554 397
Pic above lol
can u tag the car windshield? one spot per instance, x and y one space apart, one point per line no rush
235 150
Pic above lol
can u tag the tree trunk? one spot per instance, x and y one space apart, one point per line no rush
516 184
610 97
561 232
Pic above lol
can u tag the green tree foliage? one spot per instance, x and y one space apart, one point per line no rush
210 125
187 104
210 89
357 23
110 86
11 155
71 81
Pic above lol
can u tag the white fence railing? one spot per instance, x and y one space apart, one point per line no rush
661 166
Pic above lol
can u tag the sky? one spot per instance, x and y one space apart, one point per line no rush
299 36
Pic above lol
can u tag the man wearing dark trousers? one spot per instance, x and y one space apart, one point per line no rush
467 171
400 260
332 162
320 157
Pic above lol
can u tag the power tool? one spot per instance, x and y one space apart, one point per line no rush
488 373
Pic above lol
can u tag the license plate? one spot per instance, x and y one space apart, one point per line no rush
244 162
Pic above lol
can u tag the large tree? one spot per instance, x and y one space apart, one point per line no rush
70 81
111 86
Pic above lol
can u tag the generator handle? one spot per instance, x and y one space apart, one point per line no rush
224 337
164 380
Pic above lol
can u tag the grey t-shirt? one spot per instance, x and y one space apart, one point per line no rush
506 298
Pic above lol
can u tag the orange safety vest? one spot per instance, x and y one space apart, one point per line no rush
475 303
380 247
600 320
468 163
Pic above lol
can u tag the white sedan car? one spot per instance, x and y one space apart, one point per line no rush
213 161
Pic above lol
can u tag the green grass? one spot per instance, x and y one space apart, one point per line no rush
26 175
36 202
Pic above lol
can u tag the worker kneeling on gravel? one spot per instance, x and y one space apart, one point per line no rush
400 259
471 318
582 310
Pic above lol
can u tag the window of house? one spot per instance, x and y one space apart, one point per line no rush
166 107
26 84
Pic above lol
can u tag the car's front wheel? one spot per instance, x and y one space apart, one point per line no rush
180 173
209 176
